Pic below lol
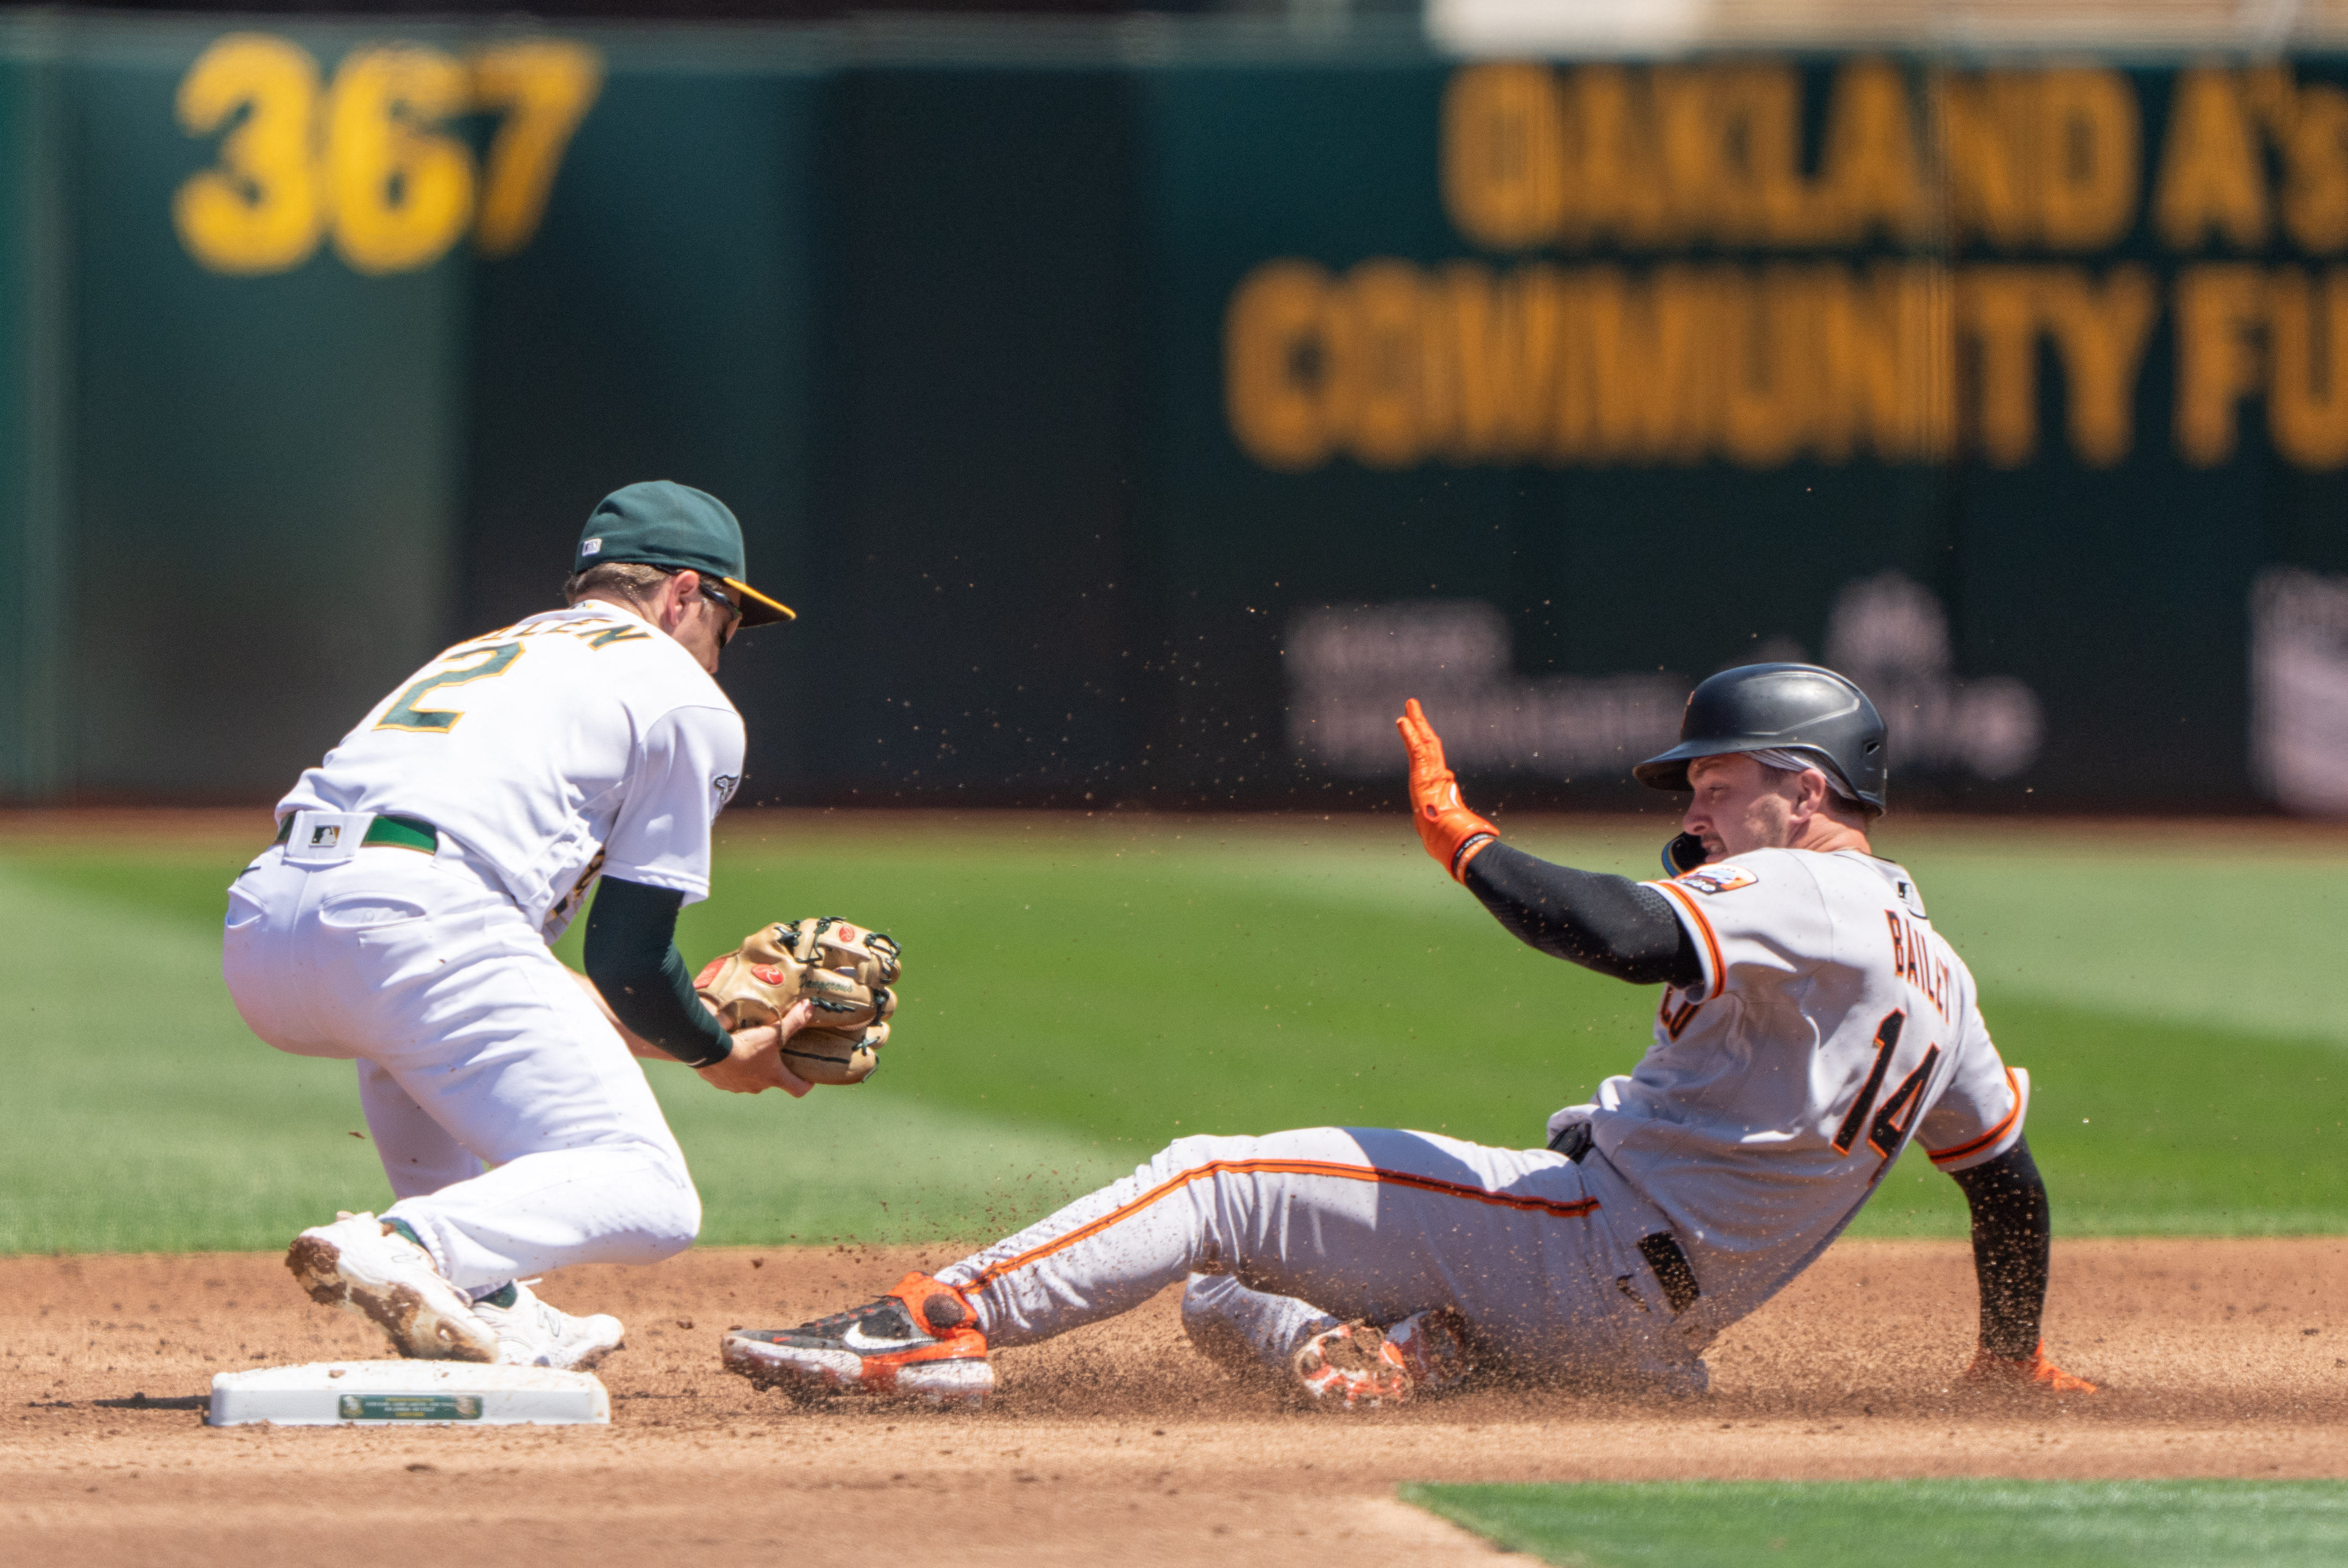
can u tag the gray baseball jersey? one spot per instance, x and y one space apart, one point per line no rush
1832 1025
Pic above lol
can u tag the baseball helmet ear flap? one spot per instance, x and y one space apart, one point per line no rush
1779 707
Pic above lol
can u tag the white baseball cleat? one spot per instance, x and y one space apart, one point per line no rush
1358 1367
533 1334
363 1265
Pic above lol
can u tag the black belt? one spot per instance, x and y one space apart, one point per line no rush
386 832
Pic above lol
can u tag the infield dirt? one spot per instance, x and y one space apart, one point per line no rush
1116 1443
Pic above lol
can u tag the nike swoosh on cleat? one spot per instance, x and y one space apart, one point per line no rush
856 1339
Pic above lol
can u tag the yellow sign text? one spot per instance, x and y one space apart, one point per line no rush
368 157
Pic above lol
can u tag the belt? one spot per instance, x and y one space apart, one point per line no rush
386 831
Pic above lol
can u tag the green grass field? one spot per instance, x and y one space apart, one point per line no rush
1078 992
1917 1524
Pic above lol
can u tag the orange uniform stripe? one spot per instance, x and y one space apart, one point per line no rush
1704 928
1575 1211
1986 1139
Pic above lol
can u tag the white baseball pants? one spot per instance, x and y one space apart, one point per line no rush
474 1046
1336 1223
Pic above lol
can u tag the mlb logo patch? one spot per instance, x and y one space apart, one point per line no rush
326 838
1716 879
587 547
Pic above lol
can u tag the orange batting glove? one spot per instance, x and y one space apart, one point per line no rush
2029 1372
1452 833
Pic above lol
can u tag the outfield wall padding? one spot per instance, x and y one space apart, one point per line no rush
1140 424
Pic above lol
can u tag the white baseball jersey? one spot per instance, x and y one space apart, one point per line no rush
573 743
1831 1025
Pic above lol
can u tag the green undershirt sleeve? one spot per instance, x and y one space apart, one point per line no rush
631 957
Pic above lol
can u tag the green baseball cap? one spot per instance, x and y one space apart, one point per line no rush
663 524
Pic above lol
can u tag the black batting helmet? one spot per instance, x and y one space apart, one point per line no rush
1772 707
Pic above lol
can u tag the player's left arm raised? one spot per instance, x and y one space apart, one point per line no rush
1607 923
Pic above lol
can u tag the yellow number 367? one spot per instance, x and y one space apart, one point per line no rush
366 158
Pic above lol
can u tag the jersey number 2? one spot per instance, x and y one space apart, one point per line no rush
1884 1136
404 715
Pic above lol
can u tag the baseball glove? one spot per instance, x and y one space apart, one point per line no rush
845 971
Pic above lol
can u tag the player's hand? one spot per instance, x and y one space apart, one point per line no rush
2032 1373
756 1064
1452 833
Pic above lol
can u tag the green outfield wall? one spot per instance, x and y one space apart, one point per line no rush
1138 413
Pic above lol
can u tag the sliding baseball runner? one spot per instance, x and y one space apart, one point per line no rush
402 920
1811 1026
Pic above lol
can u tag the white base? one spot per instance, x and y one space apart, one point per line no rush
407 1394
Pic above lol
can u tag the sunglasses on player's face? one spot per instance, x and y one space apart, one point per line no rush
733 610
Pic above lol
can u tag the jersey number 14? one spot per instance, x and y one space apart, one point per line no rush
1889 1129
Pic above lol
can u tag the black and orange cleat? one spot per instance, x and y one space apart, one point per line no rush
921 1341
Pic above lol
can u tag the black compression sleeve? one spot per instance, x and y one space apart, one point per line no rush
1609 923
2010 1232
632 956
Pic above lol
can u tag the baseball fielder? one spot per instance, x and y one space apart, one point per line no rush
402 920
1811 1024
